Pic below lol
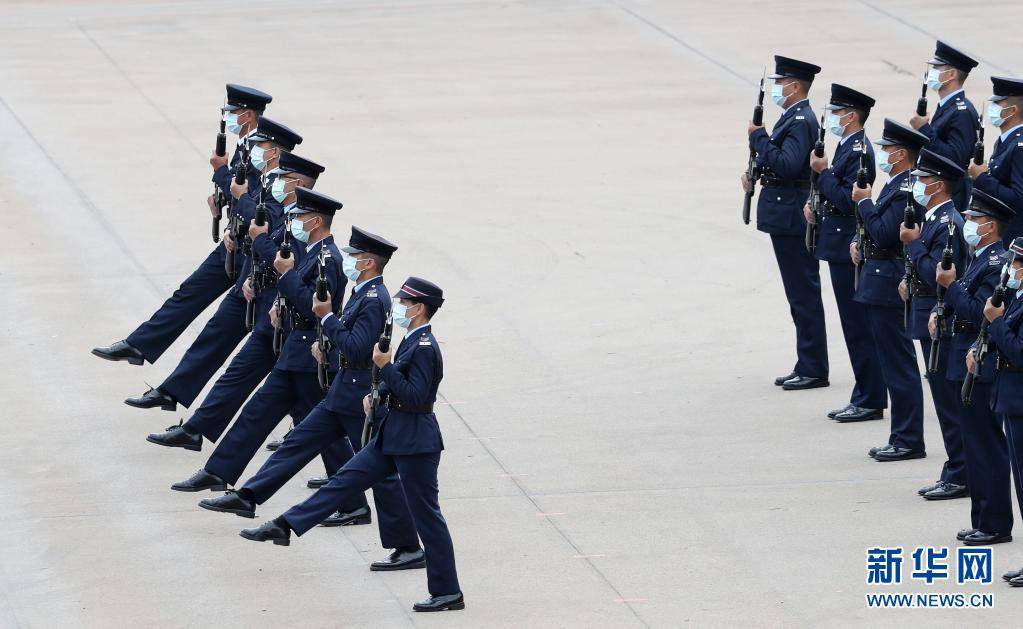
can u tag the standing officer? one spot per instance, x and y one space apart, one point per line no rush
781 157
883 267
226 328
1002 177
354 333
256 358
847 112
151 339
408 442
953 128
987 458
936 177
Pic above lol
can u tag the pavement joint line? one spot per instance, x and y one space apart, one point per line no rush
135 86
564 535
675 38
916 28
380 577
86 201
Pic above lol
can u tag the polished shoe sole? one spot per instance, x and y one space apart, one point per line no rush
277 541
237 512
315 484
191 447
865 418
907 457
173 406
362 519
806 387
1000 540
952 496
273 446
188 488
452 606
405 566
133 361
1006 577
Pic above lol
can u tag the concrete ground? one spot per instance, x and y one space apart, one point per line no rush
568 171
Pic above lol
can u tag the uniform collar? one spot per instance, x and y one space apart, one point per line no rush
796 105
934 210
949 97
409 334
849 137
1006 135
359 286
310 246
978 252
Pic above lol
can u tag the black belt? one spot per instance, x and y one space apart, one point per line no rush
922 290
963 325
873 252
345 364
395 404
770 181
1002 364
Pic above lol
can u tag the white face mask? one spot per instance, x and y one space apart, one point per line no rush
232 125
778 94
995 114
881 158
971 232
920 193
399 314
277 189
834 123
934 79
349 265
256 156
298 230
1014 281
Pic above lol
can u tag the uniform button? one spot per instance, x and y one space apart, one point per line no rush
877 270
839 229
779 198
303 337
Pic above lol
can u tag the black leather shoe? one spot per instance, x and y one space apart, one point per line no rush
1016 582
980 538
120 351
317 481
350 518
800 383
200 481
831 414
964 533
780 380
153 398
895 453
177 437
873 451
440 603
858 414
924 490
268 532
272 446
1012 574
947 491
401 560
230 502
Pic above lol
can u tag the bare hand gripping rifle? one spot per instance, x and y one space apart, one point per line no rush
218 194
983 338
909 220
814 199
861 183
281 303
939 309
384 344
752 172
321 339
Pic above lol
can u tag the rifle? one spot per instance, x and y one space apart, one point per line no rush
921 103
983 338
978 148
946 264
374 391
281 303
815 195
235 224
321 340
752 172
256 271
861 183
218 194
909 220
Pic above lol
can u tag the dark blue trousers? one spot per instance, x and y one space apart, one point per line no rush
869 391
195 294
987 462
800 276
1014 437
418 474
946 406
249 366
209 351
320 429
295 392
900 371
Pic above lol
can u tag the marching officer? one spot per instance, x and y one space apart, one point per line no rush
781 157
935 180
151 339
882 270
222 333
987 457
847 113
1002 176
953 127
257 356
408 442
